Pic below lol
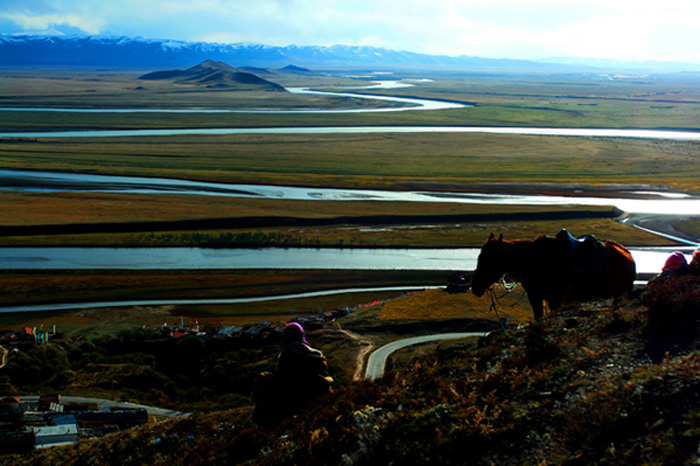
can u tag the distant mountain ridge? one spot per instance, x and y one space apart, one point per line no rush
214 74
126 52
138 52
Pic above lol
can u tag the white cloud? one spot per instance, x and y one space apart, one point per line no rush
39 22
627 30
496 28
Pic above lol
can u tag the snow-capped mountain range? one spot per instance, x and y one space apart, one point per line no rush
128 52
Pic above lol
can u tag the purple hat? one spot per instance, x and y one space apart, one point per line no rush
675 260
293 332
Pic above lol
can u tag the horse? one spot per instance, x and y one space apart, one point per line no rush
550 268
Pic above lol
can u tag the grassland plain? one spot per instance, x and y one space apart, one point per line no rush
383 161
101 219
391 161
80 286
568 100
113 321
123 89
506 163
398 161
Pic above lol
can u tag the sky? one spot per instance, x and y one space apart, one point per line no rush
665 30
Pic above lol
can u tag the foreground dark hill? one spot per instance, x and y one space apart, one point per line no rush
213 74
598 383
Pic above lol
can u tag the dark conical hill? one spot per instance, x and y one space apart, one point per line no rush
215 74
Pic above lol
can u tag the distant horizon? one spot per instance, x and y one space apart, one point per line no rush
622 30
588 60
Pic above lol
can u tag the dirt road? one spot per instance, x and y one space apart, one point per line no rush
366 347
377 360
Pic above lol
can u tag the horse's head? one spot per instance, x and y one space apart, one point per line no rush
490 266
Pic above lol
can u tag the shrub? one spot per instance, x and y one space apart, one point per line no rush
673 309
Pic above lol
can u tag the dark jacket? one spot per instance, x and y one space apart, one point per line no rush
302 372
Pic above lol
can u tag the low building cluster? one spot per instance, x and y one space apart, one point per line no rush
31 423
318 319
27 335
266 329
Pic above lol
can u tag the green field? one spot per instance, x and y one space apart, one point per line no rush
435 161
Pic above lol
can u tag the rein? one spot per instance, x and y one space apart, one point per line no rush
508 287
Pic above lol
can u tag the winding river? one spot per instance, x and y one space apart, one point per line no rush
648 260
568 132
403 104
25 180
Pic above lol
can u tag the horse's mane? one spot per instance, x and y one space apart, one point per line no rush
515 240
540 243
539 240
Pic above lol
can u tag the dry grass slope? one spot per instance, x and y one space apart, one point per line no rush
592 384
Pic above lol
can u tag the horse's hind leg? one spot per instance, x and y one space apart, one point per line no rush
537 304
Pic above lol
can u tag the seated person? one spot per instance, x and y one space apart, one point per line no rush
300 377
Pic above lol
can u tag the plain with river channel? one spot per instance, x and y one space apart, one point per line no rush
649 260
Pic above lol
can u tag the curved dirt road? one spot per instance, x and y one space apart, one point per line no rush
366 347
377 360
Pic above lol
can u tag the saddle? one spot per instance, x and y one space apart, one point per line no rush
589 255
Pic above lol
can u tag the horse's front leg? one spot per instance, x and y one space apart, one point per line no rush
537 303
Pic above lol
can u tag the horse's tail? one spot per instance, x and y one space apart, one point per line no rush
623 270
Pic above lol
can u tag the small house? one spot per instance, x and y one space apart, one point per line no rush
51 436
49 402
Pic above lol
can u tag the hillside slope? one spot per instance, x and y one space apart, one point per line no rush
596 383
214 74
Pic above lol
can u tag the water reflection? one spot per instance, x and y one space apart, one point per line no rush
649 260
20 180
404 103
567 132
407 102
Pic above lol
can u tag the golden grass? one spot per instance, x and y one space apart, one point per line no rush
68 208
443 161
473 234
440 304
430 304
91 322
356 223
53 286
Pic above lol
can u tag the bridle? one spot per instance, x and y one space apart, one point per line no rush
508 287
